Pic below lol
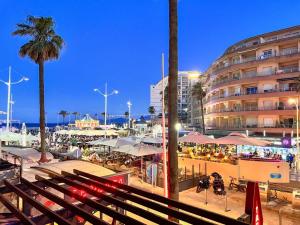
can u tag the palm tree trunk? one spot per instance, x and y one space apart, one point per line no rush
42 112
172 103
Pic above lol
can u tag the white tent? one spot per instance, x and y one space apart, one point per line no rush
8 136
139 150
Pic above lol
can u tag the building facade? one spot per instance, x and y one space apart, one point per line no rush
86 122
183 86
253 85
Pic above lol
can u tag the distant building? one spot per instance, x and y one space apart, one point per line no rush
252 85
183 92
86 122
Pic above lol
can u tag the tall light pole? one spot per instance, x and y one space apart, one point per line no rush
296 102
129 104
9 83
105 95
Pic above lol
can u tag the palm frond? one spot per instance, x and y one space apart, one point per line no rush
45 44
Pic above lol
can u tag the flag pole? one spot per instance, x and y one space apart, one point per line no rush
163 129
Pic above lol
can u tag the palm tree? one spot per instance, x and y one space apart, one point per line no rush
173 186
44 45
166 97
63 114
199 94
126 114
151 110
75 114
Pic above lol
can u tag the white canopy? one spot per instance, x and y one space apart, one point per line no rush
139 149
17 137
27 153
88 132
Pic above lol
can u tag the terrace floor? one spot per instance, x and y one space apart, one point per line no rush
235 202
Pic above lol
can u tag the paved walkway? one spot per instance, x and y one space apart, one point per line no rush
236 204
294 175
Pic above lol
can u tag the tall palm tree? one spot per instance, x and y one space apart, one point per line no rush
172 102
63 114
44 45
199 93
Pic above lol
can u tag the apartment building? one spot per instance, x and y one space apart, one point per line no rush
183 85
253 85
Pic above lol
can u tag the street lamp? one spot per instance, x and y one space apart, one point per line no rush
178 127
296 103
129 104
105 95
9 83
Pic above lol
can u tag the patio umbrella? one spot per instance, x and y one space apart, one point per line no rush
241 139
197 138
10 136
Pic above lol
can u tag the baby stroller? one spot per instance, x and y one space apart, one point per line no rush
218 184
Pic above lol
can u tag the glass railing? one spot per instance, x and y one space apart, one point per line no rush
261 57
249 108
255 74
251 93
277 125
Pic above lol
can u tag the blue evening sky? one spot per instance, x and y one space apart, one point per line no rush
120 41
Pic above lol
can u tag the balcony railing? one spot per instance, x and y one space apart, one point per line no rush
250 108
243 126
259 58
258 42
249 93
255 74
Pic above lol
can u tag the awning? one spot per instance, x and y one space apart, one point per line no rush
196 138
241 139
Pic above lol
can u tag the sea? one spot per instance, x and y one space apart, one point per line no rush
117 121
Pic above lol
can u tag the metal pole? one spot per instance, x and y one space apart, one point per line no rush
105 109
163 129
129 107
226 209
8 98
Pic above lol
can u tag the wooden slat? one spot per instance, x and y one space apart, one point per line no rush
21 216
75 209
142 201
57 218
96 205
176 204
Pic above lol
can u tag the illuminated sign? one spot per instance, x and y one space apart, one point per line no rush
275 175
286 142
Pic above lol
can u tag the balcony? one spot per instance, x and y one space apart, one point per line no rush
257 42
255 74
255 93
250 109
286 52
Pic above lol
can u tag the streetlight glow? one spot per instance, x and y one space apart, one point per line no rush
291 101
177 126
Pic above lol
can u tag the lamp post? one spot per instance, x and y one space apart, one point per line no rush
296 102
178 127
9 83
129 104
105 95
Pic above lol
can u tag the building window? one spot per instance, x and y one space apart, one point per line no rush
251 90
